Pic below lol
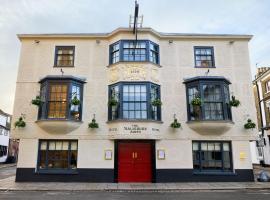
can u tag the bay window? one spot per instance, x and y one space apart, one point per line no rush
134 101
57 94
213 93
134 51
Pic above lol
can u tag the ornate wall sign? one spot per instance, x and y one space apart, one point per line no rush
135 128
134 72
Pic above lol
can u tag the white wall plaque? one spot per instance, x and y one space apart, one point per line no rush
108 155
161 154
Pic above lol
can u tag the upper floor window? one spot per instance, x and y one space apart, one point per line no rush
134 101
57 95
213 95
267 86
64 56
204 56
130 50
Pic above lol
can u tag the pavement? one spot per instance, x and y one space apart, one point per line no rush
7 183
78 195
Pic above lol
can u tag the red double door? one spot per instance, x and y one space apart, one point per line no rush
134 162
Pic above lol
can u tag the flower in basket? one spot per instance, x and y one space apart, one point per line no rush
156 102
112 102
175 124
196 101
250 124
75 101
234 102
20 123
93 124
37 101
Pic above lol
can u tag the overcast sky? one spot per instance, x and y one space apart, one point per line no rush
86 16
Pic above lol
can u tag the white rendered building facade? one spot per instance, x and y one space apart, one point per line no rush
134 90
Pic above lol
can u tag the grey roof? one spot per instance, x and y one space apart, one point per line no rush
60 77
207 78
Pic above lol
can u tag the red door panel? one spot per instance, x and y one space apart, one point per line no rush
125 162
134 162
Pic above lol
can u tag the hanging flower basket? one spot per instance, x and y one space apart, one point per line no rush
156 102
112 102
37 101
20 123
196 101
75 101
93 124
175 124
250 124
234 102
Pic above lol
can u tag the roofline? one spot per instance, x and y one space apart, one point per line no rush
4 113
161 35
262 76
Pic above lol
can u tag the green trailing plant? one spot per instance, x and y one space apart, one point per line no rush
234 102
250 124
37 101
196 101
75 101
93 124
20 123
156 102
175 124
112 102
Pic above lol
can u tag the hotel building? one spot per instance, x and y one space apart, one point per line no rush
134 90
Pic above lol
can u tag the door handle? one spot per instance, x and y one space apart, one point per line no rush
135 154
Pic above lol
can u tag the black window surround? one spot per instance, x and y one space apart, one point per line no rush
212 156
56 93
126 51
214 94
204 57
134 101
64 56
57 156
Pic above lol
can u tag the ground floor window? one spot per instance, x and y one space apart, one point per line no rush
212 156
58 154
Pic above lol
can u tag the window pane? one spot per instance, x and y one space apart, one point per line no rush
58 146
65 145
73 146
43 145
51 145
195 146
58 101
226 147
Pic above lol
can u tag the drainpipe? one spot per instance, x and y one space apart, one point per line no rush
260 109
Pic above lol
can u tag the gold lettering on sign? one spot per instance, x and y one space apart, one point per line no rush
134 72
113 74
